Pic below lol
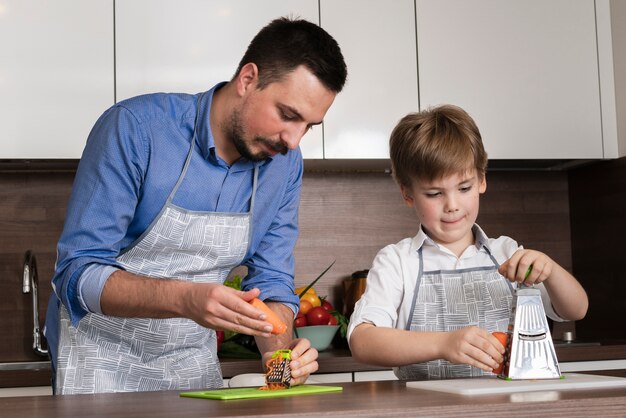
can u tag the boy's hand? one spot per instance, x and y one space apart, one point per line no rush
527 266
473 346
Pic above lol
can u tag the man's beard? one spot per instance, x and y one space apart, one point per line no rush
236 135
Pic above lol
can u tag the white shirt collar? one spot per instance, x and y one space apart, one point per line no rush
422 238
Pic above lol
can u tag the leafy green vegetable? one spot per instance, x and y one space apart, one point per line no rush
234 283
342 321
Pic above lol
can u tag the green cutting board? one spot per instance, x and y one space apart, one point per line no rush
249 393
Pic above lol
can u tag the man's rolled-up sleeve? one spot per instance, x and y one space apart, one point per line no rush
271 267
101 206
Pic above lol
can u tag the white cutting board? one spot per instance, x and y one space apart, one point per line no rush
491 385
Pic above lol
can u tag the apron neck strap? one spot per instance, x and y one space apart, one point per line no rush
255 179
190 153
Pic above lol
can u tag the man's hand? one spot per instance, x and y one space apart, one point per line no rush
211 305
303 356
303 360
223 308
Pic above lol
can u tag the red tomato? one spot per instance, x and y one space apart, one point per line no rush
318 316
327 305
300 320
332 320
220 339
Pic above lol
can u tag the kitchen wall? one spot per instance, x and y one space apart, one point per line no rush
345 216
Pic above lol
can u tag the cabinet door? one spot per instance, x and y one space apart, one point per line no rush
56 75
374 376
330 378
190 45
590 366
377 39
526 70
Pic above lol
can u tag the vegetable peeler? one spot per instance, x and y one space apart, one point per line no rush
530 353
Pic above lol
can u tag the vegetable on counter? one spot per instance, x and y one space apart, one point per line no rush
310 296
317 310
318 316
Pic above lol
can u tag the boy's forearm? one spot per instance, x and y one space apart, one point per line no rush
567 296
390 347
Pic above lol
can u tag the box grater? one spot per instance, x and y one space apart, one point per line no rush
530 353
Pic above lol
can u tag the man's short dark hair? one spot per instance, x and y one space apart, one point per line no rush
285 44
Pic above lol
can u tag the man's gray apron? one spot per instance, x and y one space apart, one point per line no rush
112 354
448 300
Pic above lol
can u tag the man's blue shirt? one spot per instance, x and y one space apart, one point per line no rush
133 157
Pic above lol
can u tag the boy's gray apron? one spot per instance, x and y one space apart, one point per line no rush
447 300
111 354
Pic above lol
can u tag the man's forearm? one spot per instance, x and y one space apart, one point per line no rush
129 295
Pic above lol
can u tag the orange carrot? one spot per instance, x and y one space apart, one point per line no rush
503 337
278 326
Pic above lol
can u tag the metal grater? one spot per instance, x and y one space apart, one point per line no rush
279 370
530 352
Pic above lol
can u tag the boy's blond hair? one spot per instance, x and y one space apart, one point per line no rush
435 143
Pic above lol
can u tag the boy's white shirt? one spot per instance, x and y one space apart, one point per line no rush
391 280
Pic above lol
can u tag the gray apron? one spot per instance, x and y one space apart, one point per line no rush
448 300
112 354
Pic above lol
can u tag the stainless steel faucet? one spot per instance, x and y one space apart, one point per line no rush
29 285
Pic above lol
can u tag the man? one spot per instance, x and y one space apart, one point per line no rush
172 192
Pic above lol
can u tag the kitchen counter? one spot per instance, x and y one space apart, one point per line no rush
340 361
363 399
334 361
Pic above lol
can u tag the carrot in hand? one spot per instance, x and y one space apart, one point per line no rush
278 326
503 337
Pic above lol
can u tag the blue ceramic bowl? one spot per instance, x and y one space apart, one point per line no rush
320 335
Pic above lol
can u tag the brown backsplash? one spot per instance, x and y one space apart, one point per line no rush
345 216
32 210
598 203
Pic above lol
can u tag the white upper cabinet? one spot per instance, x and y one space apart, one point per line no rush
611 18
377 39
56 75
526 71
544 79
190 45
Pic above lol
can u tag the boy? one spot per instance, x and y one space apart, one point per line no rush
433 300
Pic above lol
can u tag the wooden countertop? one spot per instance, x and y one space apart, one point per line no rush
363 399
337 361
